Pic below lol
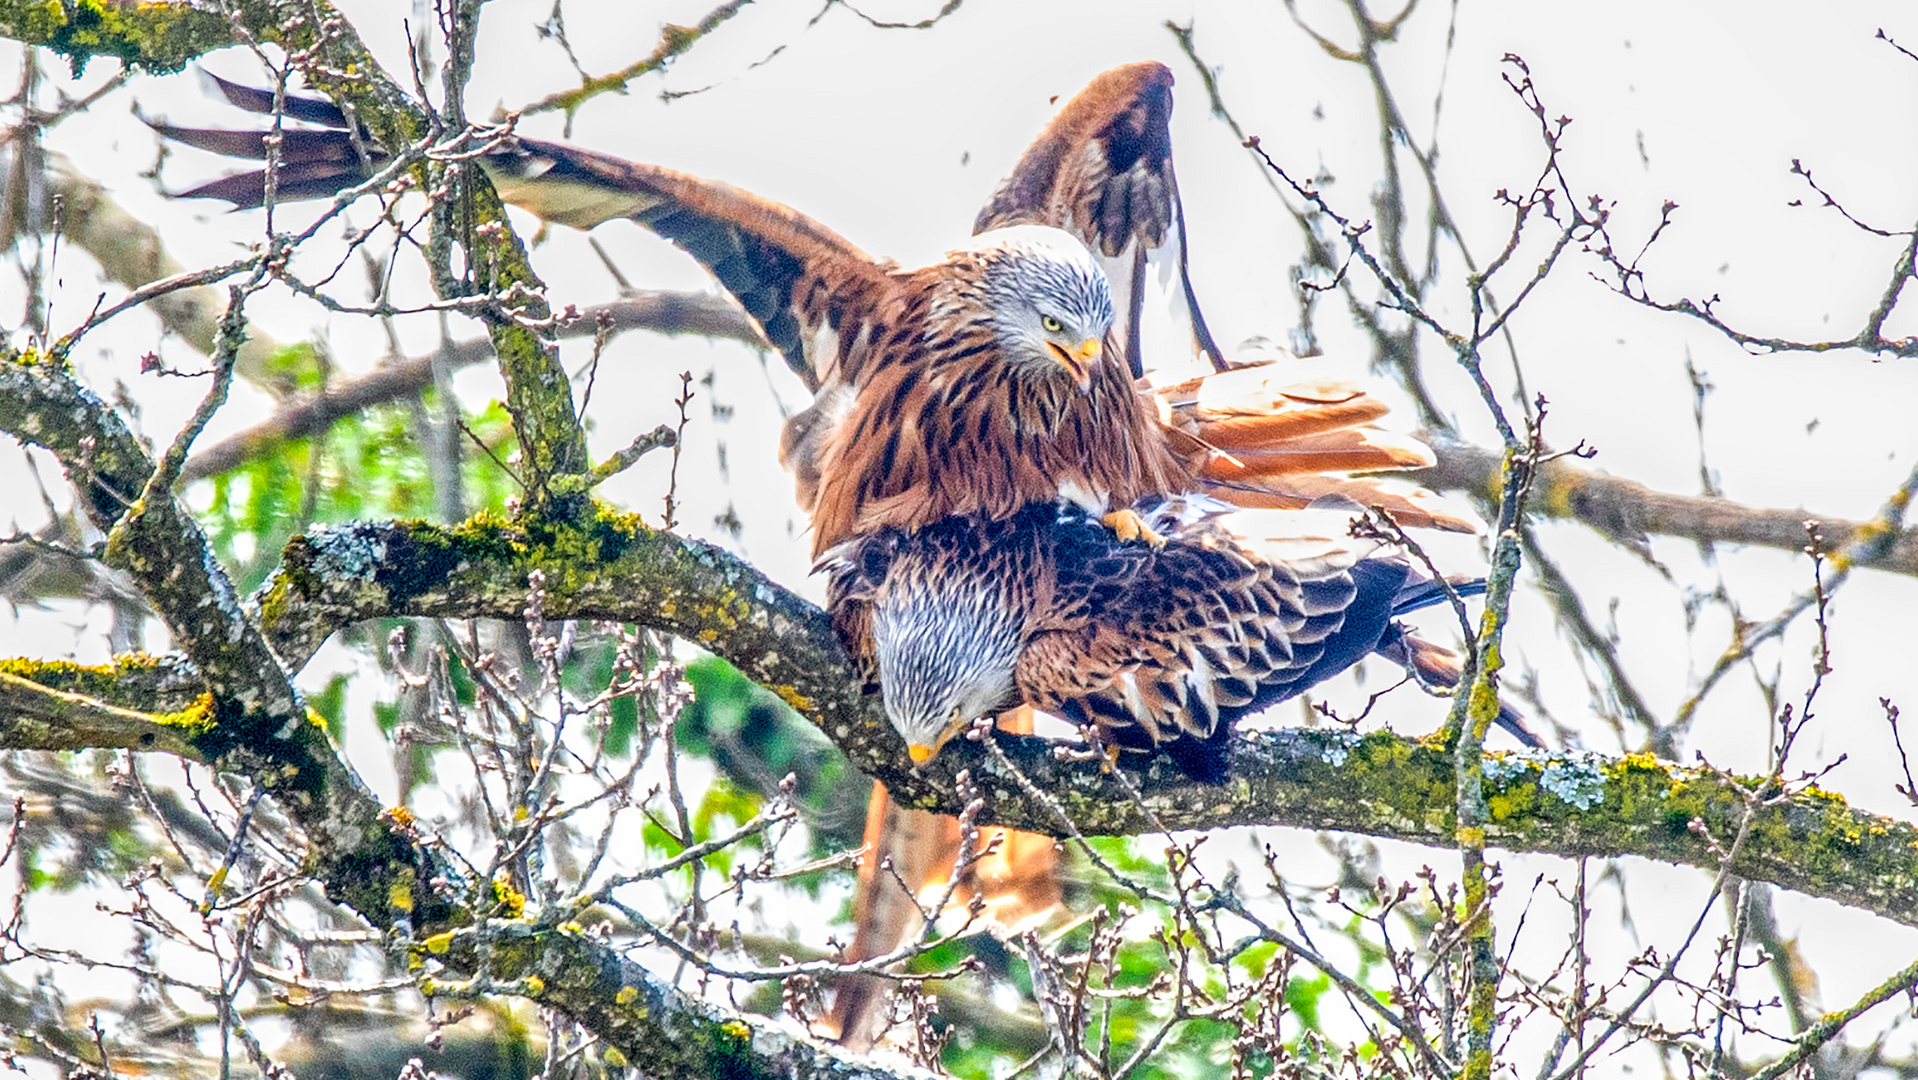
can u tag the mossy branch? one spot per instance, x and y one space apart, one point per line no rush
1381 784
155 37
42 718
166 555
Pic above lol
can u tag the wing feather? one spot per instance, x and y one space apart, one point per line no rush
790 273
1102 169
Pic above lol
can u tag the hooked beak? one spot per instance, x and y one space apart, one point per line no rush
1078 361
920 753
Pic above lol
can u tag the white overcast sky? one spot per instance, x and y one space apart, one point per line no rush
895 138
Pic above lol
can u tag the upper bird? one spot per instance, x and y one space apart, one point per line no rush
998 376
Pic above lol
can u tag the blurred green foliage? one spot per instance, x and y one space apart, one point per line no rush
366 467
370 466
757 739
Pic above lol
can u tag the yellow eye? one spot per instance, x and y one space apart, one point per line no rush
1052 325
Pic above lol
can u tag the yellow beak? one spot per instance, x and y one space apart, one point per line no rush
1078 361
920 753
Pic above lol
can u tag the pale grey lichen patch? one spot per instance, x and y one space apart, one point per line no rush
344 834
1336 746
221 588
1502 769
347 553
1577 782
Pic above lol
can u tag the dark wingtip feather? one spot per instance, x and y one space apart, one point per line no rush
250 145
244 190
300 180
253 99
1441 667
295 145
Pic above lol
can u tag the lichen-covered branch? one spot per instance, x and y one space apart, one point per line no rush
539 396
135 681
1381 784
168 556
42 718
156 37
251 722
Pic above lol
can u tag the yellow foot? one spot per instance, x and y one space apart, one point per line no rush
1128 526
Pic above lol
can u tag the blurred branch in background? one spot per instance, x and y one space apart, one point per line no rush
1627 512
604 854
308 415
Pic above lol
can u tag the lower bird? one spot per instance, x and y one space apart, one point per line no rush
1158 649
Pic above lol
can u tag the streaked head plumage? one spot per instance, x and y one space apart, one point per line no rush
1049 302
948 649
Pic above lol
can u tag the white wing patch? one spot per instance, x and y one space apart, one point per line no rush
581 205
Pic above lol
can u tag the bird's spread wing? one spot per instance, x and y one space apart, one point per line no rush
810 289
1102 170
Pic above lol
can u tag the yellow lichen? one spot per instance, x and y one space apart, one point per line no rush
512 903
800 702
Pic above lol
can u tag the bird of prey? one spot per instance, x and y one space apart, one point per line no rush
1160 649
1102 171
998 376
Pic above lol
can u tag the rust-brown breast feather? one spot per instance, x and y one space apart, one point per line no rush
942 428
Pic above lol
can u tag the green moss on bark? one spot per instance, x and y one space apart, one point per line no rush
159 38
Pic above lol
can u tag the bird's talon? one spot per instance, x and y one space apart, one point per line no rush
1128 526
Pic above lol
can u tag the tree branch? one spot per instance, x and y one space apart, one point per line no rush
306 415
1626 511
156 37
614 568
36 716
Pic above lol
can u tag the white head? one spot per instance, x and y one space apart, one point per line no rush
1050 303
948 650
